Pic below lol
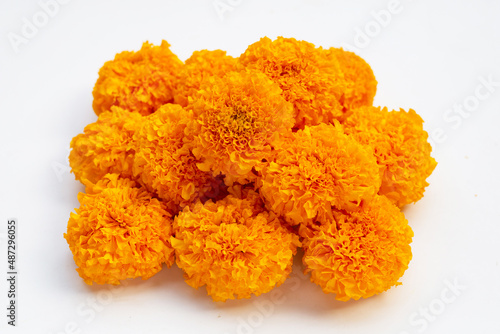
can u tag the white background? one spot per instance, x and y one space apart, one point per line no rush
429 55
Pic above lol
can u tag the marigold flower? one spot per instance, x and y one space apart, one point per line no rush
363 253
200 66
361 84
137 81
237 120
309 78
255 156
105 146
164 163
119 232
315 169
234 247
401 148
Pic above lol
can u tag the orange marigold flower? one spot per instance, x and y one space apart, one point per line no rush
233 246
164 163
138 81
105 146
362 253
200 66
309 78
119 232
315 169
237 120
401 148
361 84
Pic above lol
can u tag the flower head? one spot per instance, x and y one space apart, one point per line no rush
163 161
361 84
119 232
237 118
362 253
234 247
254 156
400 145
200 66
105 146
309 78
315 169
137 81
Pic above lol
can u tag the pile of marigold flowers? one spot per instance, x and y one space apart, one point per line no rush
226 166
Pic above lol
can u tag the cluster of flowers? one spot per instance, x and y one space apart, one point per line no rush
227 165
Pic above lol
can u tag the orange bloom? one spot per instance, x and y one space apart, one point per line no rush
401 148
200 66
361 84
164 163
362 253
315 169
309 78
234 247
255 156
105 146
119 232
237 120
137 81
